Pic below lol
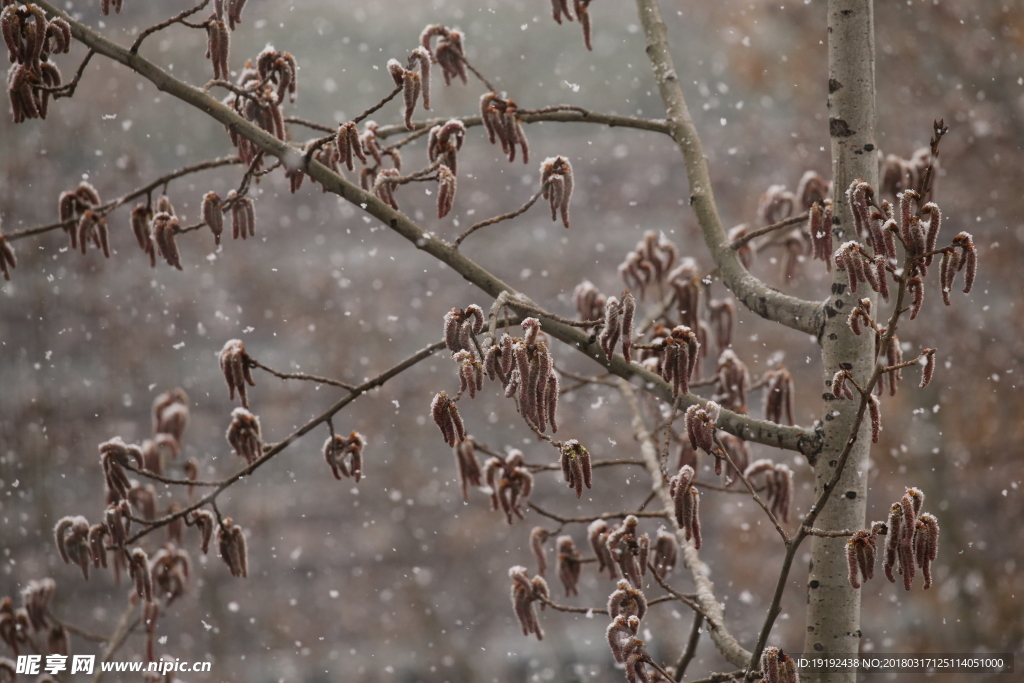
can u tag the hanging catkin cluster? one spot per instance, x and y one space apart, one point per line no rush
627 648
470 473
679 357
699 423
525 593
912 539
778 667
917 228
411 83
629 550
82 206
778 480
344 455
898 175
444 142
30 40
448 54
279 68
236 365
779 396
169 569
732 382
170 417
510 484
226 15
257 102
721 314
501 121
665 553
778 204
459 327
568 565
526 370
651 262
618 325
574 459
231 543
589 302
556 186
244 435
560 8
687 504
164 227
446 416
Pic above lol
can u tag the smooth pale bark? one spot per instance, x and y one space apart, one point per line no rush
833 606
704 592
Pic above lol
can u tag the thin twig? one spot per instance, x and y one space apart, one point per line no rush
751 490
78 630
687 600
124 628
784 223
691 648
824 533
705 596
309 124
497 219
68 89
598 379
301 431
586 520
301 375
595 463
105 209
476 73
178 18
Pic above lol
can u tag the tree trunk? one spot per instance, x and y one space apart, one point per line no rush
833 606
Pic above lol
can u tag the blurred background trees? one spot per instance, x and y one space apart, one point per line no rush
397 578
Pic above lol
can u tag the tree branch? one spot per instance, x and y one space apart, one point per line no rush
705 597
300 432
105 209
805 316
759 431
